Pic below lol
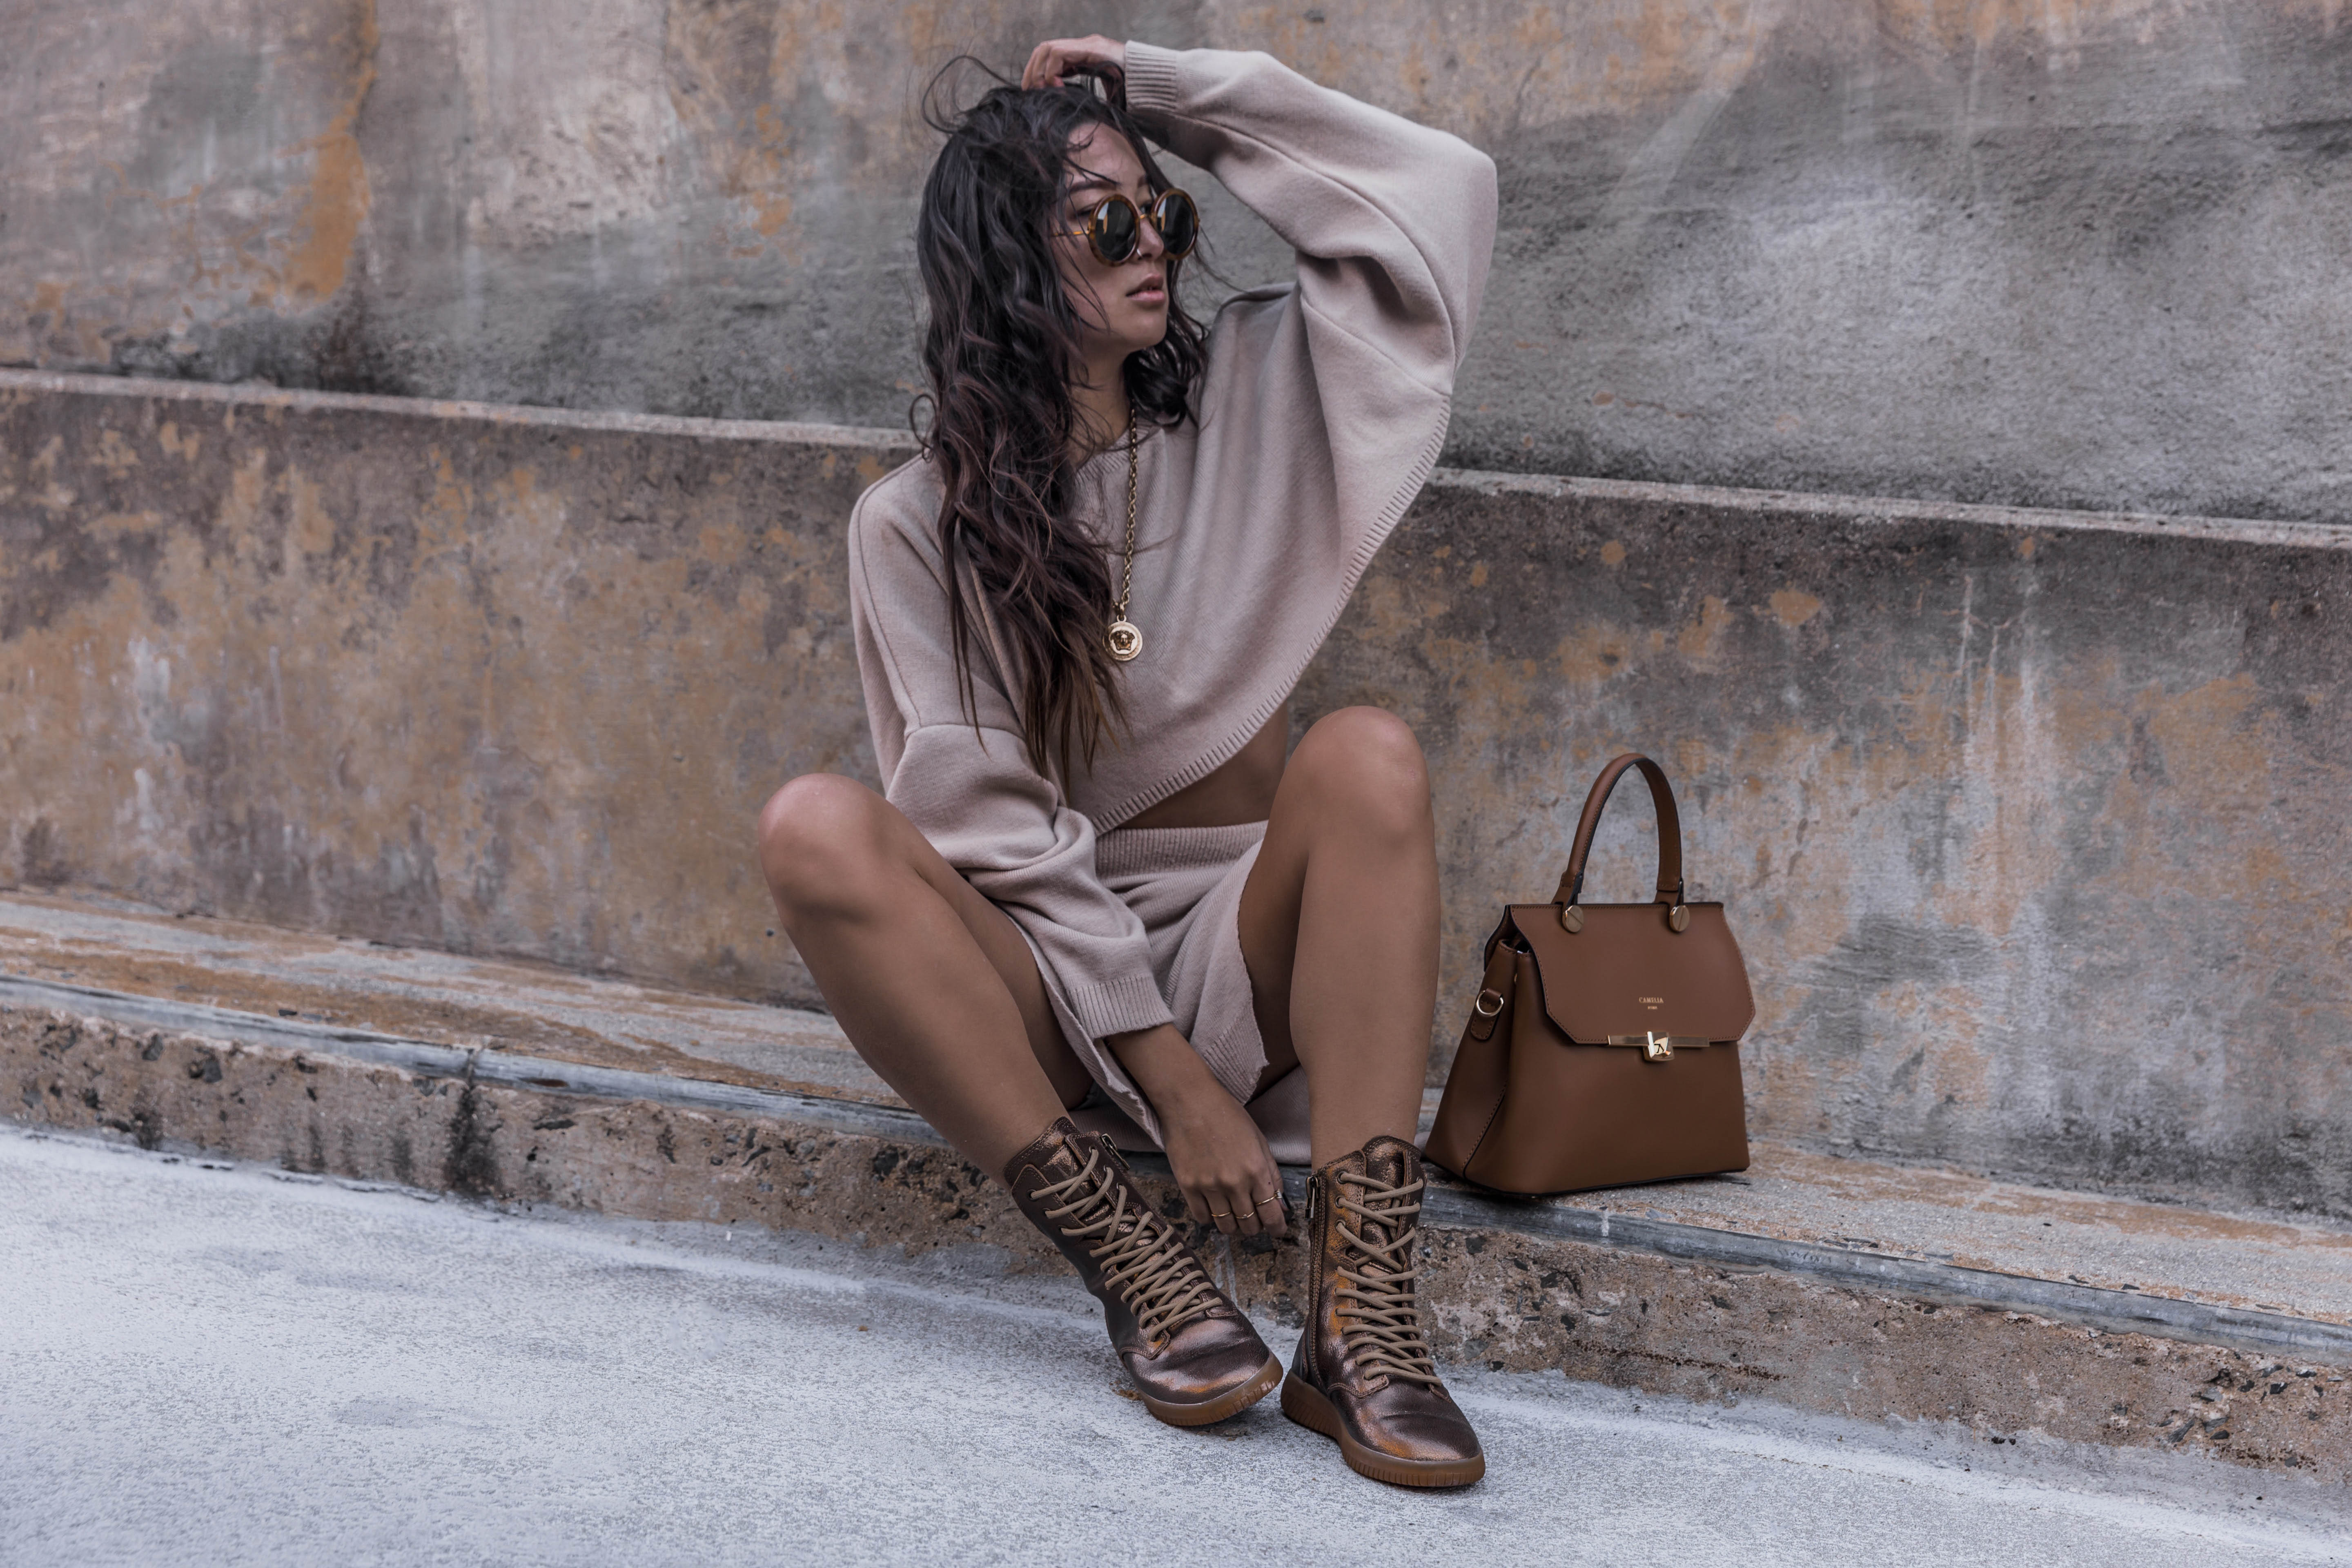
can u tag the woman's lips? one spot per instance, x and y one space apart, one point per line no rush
1151 291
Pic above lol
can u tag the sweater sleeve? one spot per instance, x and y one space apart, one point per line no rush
1394 221
970 789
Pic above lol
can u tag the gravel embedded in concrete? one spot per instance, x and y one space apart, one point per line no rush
208 1364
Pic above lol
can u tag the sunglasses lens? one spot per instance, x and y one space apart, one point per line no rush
1116 230
1178 221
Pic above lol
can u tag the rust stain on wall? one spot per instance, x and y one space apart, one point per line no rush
336 201
1795 607
1698 640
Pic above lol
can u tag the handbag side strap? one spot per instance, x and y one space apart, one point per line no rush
1670 831
1495 990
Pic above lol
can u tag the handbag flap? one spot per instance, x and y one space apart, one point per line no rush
1628 973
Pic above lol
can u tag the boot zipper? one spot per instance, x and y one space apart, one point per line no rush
1313 1280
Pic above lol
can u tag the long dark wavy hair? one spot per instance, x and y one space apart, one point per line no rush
999 349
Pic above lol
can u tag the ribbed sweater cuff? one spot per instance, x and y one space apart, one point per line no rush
1151 80
1116 1008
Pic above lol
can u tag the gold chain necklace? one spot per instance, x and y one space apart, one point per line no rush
1125 636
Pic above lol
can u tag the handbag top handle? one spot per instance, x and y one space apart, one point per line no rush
1670 831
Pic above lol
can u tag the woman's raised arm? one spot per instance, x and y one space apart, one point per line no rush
1394 221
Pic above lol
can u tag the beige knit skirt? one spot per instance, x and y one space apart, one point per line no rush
1185 885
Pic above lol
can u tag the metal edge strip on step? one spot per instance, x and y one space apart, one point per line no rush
1450 1206
302 400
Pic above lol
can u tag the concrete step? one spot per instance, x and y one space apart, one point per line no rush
1846 1286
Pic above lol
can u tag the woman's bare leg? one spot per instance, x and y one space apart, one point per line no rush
1339 927
932 983
937 989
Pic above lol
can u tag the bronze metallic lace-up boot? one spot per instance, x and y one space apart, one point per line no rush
1363 1375
1193 1357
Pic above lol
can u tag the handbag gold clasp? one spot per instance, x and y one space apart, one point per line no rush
1489 1003
1657 1047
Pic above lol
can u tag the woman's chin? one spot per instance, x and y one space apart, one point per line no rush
1145 327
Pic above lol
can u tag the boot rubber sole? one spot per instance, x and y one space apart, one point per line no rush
1224 1407
1311 1410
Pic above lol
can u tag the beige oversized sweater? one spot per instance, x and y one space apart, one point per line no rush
1321 412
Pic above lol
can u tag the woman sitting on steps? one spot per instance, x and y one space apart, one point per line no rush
1095 893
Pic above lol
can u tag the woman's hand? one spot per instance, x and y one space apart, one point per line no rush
1221 1164
1057 59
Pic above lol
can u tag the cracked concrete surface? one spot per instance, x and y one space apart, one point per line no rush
346 1374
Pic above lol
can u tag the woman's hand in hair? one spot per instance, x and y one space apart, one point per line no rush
1218 1156
1056 59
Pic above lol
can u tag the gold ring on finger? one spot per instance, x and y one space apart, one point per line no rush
1214 1215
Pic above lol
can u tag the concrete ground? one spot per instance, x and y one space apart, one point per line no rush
203 1362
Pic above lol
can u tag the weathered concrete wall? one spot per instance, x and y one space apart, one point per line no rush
468 680
2031 823
2086 254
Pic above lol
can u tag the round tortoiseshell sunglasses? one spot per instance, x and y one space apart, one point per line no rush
1114 226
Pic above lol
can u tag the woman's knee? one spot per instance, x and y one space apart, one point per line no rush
1365 761
822 837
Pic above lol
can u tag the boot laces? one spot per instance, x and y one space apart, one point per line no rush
1141 1256
1379 1318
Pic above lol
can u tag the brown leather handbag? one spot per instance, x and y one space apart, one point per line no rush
1603 1047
